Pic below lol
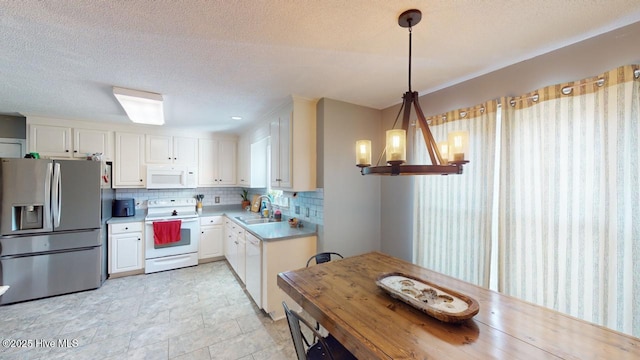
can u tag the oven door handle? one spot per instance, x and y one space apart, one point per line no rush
169 219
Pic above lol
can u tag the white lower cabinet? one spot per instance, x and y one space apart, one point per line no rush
241 269
211 237
234 250
258 263
280 256
230 251
126 247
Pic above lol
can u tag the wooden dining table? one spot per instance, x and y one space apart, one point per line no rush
344 298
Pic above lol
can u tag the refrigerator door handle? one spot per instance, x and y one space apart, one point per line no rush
47 197
57 195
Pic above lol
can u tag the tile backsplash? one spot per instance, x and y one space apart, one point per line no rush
307 206
227 196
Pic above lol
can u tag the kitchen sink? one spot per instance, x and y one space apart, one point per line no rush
253 221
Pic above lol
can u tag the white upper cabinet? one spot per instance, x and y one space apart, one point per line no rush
280 149
252 163
171 150
293 146
227 162
50 140
259 162
68 142
128 168
185 150
159 149
244 163
207 158
216 162
87 141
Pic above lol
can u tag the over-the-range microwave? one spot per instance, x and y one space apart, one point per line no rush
171 177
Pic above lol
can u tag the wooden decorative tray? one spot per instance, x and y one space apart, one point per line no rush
436 301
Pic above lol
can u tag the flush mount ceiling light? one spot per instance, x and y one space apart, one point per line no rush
236 118
446 158
142 107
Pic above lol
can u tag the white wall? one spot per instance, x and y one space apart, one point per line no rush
351 201
590 57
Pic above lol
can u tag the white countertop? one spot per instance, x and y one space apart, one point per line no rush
139 216
266 232
273 230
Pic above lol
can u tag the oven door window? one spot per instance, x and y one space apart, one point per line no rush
185 239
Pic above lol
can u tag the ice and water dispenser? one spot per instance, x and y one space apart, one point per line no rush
27 217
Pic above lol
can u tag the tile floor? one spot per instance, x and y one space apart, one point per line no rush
199 312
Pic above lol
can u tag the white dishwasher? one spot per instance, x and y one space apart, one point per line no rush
254 268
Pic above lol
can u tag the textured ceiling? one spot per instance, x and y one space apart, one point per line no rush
215 59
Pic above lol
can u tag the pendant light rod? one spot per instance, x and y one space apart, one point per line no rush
408 19
410 33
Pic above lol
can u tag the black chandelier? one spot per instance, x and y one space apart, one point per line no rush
446 157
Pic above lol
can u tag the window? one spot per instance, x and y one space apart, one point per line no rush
560 187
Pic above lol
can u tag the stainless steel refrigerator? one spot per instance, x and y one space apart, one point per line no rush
50 227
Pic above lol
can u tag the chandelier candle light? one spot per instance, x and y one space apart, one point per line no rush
446 157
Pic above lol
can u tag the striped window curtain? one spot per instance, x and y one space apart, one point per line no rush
569 218
452 214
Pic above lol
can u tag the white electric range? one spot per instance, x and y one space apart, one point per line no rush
160 257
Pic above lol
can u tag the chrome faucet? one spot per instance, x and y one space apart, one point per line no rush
269 206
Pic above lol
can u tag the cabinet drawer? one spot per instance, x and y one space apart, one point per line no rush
231 225
211 220
125 227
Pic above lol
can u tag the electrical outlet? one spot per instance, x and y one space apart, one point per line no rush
297 210
217 199
306 212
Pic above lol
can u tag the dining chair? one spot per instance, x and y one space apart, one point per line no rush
320 347
323 257
320 258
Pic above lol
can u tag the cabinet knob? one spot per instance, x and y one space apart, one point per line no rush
175 158
75 151
66 151
138 239
126 228
169 158
140 180
201 232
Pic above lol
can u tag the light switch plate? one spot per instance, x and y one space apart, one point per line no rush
217 199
